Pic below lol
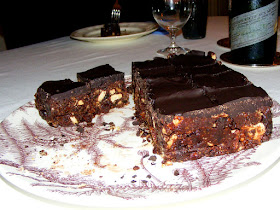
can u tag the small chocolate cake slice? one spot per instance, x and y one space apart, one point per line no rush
201 110
64 102
110 29
107 86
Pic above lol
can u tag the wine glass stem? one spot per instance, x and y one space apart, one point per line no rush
172 33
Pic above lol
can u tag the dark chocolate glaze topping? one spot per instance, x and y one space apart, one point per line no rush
96 77
206 70
164 86
197 82
178 65
60 86
97 72
183 101
61 89
222 95
192 60
154 68
226 79
100 76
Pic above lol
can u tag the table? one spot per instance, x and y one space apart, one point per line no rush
22 70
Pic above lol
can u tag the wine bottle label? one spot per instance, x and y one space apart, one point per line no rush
255 26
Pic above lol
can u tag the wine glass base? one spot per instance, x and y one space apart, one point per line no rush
173 51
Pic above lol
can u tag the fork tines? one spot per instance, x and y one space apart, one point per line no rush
115 15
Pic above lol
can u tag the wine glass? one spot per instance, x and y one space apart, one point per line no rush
172 15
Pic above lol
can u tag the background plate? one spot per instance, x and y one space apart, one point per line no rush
131 30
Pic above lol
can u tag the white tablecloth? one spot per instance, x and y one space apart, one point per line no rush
22 70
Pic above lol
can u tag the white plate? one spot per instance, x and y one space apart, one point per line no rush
100 167
131 30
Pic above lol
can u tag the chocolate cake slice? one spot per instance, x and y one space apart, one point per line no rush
65 103
201 110
107 86
159 67
110 29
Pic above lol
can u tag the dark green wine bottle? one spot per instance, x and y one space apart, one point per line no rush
253 31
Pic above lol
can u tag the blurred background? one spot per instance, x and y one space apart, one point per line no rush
26 23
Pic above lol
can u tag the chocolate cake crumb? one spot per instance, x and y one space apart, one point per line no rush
89 124
136 122
176 173
112 125
129 89
153 158
146 155
135 168
109 126
134 118
80 129
138 132
43 153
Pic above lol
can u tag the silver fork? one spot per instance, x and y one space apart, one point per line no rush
116 12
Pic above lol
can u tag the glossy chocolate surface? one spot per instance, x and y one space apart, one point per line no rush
195 82
100 76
